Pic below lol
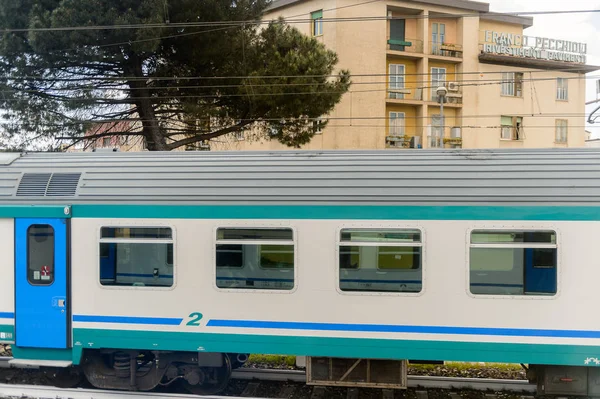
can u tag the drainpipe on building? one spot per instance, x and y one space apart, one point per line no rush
441 92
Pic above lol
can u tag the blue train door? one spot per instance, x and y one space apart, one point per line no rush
540 268
41 275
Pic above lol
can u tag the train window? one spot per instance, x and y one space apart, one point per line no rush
380 260
136 256
251 258
513 263
40 254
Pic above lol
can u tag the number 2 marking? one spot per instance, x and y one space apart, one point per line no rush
196 317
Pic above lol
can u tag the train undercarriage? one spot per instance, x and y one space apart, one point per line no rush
209 373
198 373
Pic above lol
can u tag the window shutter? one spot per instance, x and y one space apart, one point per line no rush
316 14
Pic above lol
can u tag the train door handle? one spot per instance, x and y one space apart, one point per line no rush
59 302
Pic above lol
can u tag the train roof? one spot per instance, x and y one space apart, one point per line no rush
409 177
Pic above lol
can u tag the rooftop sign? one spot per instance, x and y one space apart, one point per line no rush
540 48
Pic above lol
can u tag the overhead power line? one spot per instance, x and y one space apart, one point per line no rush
461 83
223 23
288 119
87 79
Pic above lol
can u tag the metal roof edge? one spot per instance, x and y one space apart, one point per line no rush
461 4
527 22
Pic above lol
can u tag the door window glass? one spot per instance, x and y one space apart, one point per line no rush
513 262
40 254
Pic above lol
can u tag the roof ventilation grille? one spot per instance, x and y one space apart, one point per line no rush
33 184
63 185
48 185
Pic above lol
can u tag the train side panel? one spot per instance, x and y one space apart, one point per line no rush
7 281
444 321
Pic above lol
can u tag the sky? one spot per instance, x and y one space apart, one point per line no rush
584 28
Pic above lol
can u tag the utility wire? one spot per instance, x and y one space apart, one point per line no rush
87 79
93 46
179 25
288 119
480 82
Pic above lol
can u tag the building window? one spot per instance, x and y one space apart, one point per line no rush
397 124
380 260
562 89
317 22
562 131
436 138
512 84
239 135
438 37
511 128
438 78
397 80
106 142
136 256
513 263
255 258
40 254
318 125
398 40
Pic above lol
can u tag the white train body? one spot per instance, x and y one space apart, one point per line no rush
489 281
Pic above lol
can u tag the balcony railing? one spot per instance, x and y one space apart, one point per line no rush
415 94
446 49
406 45
437 137
403 141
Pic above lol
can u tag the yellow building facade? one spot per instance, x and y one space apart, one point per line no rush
503 89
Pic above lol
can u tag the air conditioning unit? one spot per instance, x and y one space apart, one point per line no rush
415 142
455 133
453 87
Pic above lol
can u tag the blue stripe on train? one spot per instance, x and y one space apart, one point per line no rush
167 321
437 330
7 315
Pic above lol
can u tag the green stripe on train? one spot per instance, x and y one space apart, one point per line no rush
534 213
33 211
7 334
575 355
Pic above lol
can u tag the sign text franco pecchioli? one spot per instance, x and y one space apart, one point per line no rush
534 47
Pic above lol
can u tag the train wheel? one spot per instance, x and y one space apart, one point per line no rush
215 381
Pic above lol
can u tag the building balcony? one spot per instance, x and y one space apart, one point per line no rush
454 96
405 95
415 96
399 140
446 51
412 47
438 139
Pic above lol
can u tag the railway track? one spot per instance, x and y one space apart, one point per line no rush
269 383
43 392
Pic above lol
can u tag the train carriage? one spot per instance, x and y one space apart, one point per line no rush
136 269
